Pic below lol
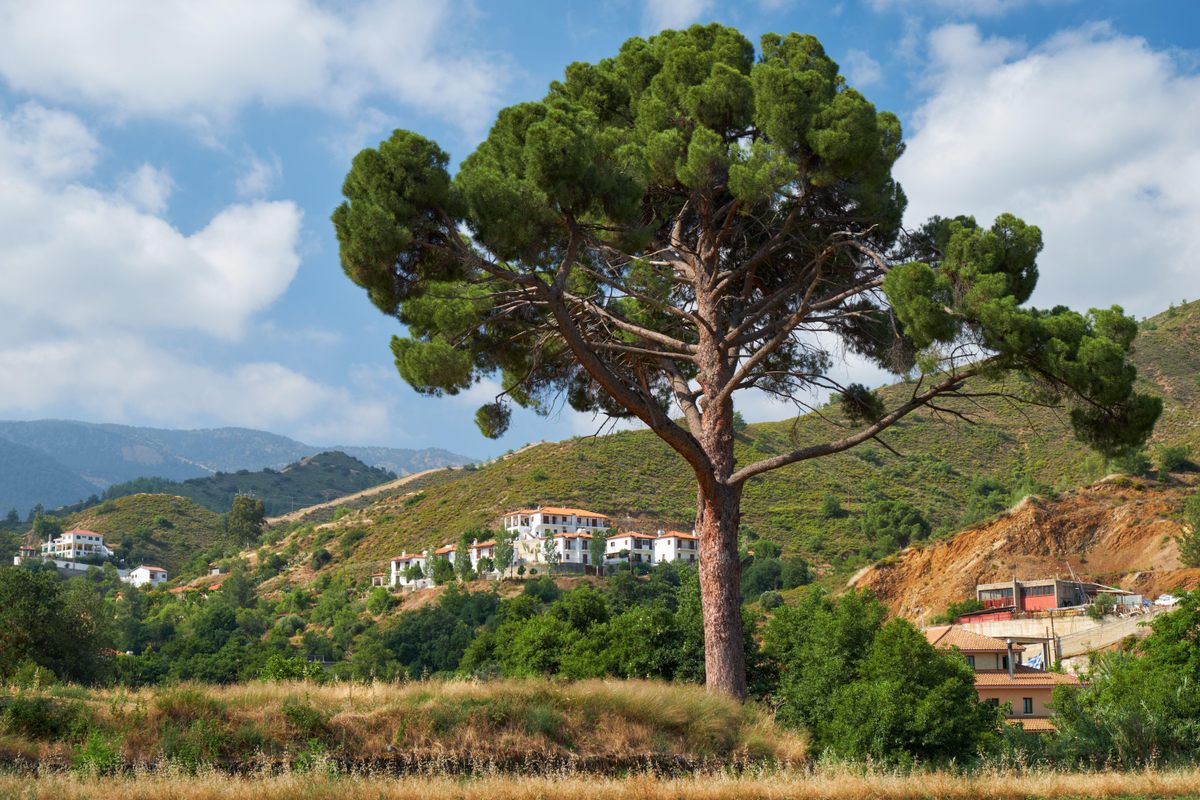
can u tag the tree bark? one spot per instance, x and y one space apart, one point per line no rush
717 516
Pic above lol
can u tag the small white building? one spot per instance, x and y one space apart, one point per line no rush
479 550
76 544
146 575
401 564
638 546
573 548
676 546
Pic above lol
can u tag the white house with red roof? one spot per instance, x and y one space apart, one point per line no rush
1000 677
146 575
75 544
570 528
676 546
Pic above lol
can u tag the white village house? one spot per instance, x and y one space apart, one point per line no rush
146 575
571 531
75 544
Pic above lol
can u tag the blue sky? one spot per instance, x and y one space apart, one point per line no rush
167 172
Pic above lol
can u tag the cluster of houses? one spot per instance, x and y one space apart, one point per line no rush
77 550
540 535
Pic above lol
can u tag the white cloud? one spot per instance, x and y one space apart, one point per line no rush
73 256
204 61
1091 136
962 8
861 69
660 14
121 378
259 176
107 307
147 188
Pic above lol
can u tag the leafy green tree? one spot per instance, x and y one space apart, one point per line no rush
667 227
46 527
551 554
462 556
414 572
892 524
441 570
831 507
1173 458
910 703
956 610
58 626
245 520
1189 540
763 574
598 550
796 572
505 551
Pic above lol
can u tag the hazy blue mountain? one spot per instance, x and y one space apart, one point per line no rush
28 476
76 459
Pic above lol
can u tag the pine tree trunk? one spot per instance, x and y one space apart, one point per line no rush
720 575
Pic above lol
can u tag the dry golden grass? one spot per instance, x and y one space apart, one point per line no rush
833 785
622 724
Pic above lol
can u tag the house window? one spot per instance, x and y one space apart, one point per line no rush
1026 705
971 661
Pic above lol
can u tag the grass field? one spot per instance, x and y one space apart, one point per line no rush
821 785
458 726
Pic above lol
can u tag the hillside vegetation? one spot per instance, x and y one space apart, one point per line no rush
313 479
954 473
164 530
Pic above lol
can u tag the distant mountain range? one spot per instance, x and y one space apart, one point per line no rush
58 462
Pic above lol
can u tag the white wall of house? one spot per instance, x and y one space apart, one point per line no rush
402 563
533 526
676 546
147 576
76 544
639 545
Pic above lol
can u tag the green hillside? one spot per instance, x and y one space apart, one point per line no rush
164 530
953 472
311 480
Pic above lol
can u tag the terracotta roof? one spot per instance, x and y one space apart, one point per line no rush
481 545
944 637
678 535
446 548
1023 676
378 574
572 536
568 512
623 534
150 568
1033 724
83 531
408 557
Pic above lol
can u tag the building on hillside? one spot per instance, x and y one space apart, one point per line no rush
1020 597
638 548
217 569
573 548
531 527
676 546
379 578
1000 676
480 550
446 551
146 575
400 567
76 544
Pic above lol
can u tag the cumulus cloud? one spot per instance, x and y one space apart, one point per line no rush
861 69
259 176
98 285
1090 135
962 8
660 14
180 59
74 256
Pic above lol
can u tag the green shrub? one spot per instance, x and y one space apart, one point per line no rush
306 722
770 600
97 756
320 559
43 719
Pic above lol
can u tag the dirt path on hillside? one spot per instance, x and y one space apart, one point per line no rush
383 488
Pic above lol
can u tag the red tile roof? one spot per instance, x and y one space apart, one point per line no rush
944 637
150 568
446 548
678 535
1033 724
1023 676
481 545
572 535
568 512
